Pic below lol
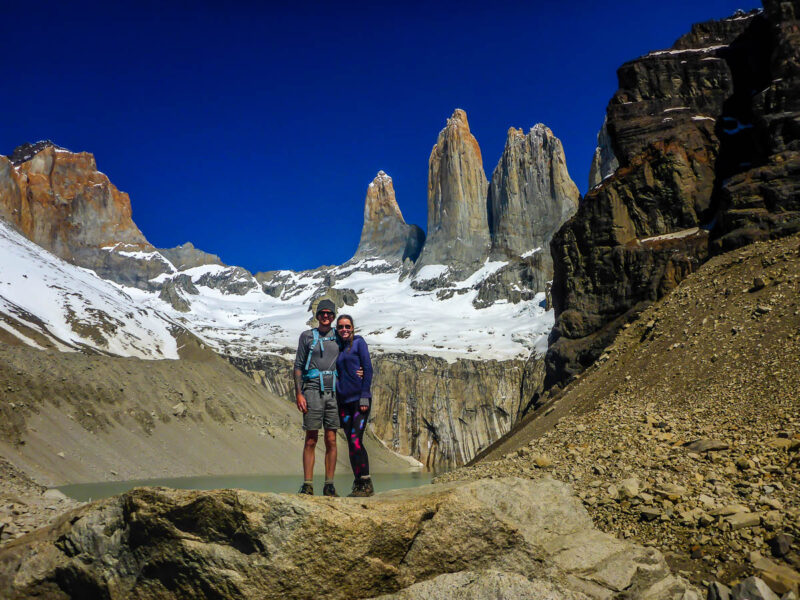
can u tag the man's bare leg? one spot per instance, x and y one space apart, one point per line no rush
309 449
330 454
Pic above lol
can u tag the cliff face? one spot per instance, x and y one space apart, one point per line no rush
458 230
60 200
531 194
385 233
694 155
440 413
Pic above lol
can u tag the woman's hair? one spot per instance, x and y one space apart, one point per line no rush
353 323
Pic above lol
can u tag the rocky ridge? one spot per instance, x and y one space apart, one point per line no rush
164 543
684 434
698 152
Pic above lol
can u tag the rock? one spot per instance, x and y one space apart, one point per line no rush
469 585
245 544
687 157
629 488
230 280
531 194
780 545
60 200
718 591
729 509
604 162
458 229
781 579
670 491
706 445
186 256
54 494
752 588
742 520
179 410
650 514
385 234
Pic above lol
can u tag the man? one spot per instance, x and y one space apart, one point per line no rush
315 392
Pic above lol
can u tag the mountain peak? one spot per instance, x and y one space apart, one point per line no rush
27 151
385 233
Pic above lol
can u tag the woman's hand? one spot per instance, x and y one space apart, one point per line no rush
360 372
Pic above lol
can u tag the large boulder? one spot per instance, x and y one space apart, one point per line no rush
162 543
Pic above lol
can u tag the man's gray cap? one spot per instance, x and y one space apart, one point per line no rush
326 305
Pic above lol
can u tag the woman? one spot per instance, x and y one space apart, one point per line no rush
354 399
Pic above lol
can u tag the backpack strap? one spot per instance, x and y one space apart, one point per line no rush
314 373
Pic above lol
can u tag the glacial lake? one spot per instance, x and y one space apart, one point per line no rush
254 483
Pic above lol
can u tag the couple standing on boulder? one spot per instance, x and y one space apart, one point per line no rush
332 378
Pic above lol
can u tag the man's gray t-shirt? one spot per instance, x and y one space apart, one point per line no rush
323 358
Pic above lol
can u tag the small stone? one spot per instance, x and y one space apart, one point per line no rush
61 455
179 410
730 509
753 588
706 445
758 284
649 514
718 591
542 461
743 520
670 491
780 545
629 487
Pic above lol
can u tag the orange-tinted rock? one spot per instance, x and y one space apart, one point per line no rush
60 200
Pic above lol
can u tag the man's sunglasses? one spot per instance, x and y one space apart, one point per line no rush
326 313
348 327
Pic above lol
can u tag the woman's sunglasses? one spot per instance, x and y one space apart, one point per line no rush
348 327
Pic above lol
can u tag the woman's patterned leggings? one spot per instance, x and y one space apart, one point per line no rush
354 423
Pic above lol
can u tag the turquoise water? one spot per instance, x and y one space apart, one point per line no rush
255 483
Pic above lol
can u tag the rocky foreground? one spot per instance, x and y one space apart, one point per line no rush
685 436
514 537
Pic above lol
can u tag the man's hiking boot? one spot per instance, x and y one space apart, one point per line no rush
307 489
329 490
362 488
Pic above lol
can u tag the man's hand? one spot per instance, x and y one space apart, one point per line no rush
301 404
360 372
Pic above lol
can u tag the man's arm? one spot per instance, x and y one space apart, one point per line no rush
298 391
297 373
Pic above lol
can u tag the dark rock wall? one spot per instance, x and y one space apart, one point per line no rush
706 137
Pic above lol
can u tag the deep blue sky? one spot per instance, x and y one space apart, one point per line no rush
253 128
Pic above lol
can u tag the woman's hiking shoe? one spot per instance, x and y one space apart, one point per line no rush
362 488
307 489
329 490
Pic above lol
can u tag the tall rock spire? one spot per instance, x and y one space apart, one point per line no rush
531 194
458 229
385 233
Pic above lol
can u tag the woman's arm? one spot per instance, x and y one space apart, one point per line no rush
366 382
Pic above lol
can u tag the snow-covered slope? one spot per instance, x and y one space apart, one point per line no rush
44 297
393 314
232 312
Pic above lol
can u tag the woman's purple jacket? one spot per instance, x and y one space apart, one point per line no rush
349 386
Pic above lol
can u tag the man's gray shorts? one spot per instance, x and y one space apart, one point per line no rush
323 412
